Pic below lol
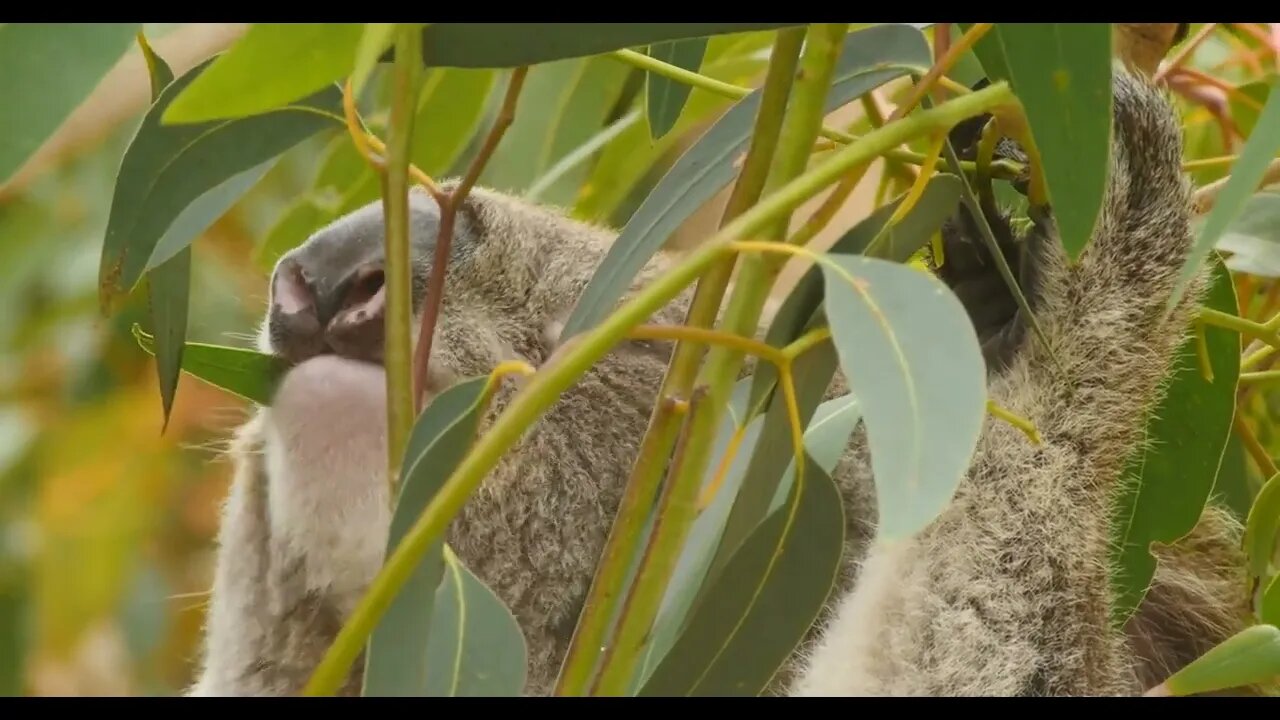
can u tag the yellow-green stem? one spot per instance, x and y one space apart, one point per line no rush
678 508
545 387
664 425
395 190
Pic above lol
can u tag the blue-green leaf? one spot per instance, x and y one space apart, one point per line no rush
910 354
46 71
1253 237
666 97
1251 656
1173 477
870 58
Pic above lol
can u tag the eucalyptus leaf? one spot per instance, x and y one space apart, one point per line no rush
249 374
1249 657
492 45
168 168
761 606
665 98
302 59
46 71
1246 175
374 40
1253 237
1262 527
869 59
1171 478
451 107
1269 608
909 353
1061 73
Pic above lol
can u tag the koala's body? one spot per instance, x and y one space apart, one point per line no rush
1006 593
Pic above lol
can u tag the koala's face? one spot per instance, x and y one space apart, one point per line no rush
327 295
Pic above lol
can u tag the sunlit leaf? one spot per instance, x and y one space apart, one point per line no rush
1262 526
1269 608
1251 656
1061 73
374 40
1173 476
246 373
1253 236
709 165
515 44
46 71
168 168
910 354
761 606
270 66
665 97
450 108
1246 175
441 638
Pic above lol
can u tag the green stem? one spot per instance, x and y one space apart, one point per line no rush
1245 327
626 535
1260 376
679 502
1003 169
395 189
545 387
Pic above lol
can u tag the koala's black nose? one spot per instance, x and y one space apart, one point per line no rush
312 315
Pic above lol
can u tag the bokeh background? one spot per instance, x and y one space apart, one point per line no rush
107 523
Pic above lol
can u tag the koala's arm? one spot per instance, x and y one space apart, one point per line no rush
1007 592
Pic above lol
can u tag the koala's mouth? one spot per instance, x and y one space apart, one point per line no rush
348 322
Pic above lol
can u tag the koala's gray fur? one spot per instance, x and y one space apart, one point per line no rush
1005 593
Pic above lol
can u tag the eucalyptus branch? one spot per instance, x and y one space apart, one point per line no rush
1260 456
1204 199
1248 328
677 508
660 436
939 69
449 204
398 281
554 377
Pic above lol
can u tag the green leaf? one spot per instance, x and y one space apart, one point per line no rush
168 168
1246 175
1172 478
270 66
1262 526
420 647
170 281
374 40
48 69
1061 73
761 606
450 108
1269 608
709 165
1243 113
1250 657
666 97
1233 488
205 210
910 354
476 648
575 97
249 374
1253 237
493 45
938 202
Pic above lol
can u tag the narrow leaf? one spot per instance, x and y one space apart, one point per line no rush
374 40
869 59
46 71
476 648
492 45
666 97
910 354
168 168
1253 237
204 211
1187 433
1061 73
270 66
1246 175
246 373
170 281
450 109
1250 657
1262 527
763 603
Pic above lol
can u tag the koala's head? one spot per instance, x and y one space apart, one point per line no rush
514 268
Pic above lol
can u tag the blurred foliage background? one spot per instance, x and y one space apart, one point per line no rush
107 523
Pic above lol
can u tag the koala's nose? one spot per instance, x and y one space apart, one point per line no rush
310 317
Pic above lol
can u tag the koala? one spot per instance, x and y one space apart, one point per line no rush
1006 593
